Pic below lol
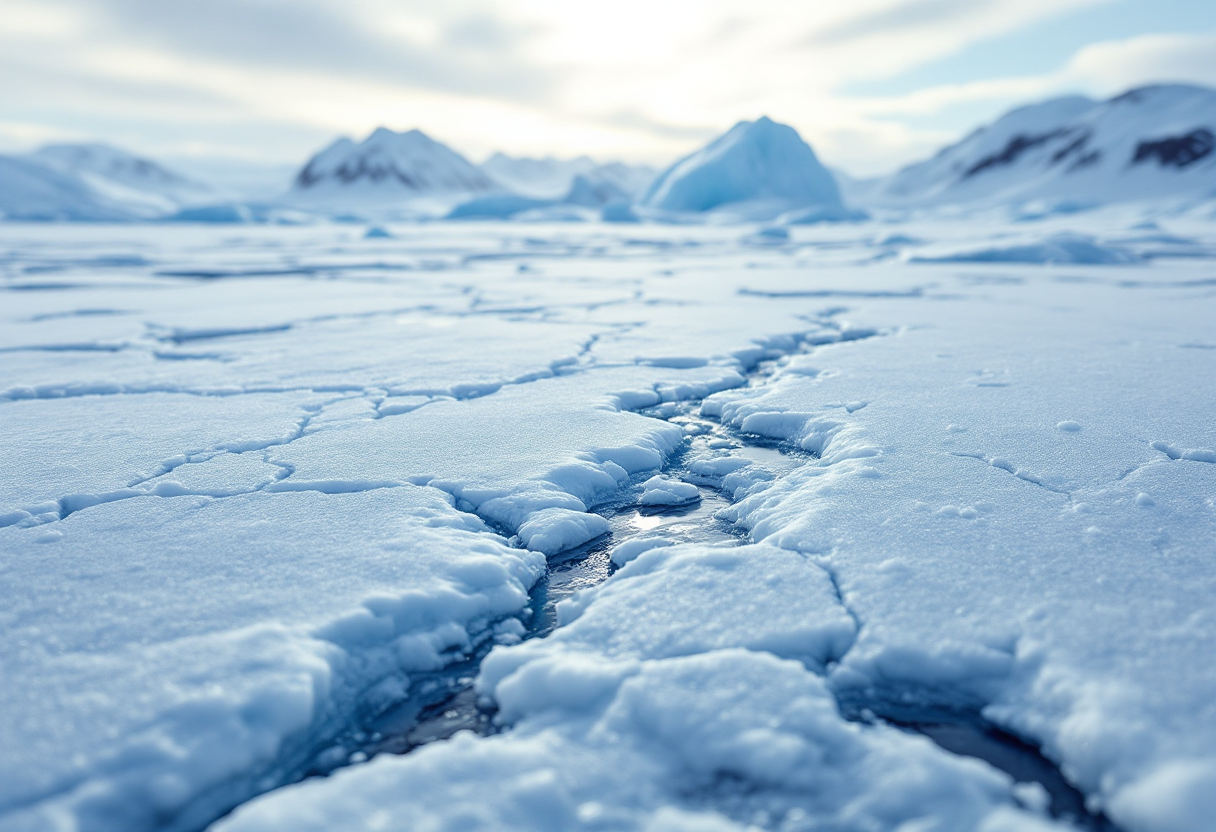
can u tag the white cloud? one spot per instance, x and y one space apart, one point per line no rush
640 79
1116 65
17 135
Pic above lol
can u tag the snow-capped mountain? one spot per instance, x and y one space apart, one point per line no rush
30 191
758 169
91 182
111 170
551 178
387 168
1149 143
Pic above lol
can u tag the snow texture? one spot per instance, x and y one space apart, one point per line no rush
225 642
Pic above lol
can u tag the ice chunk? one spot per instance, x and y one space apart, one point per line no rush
630 549
554 530
719 603
664 491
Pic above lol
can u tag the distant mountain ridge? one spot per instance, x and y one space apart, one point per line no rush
551 178
546 178
1148 143
91 182
410 174
117 166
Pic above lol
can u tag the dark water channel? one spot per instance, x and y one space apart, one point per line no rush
1020 760
445 702
968 734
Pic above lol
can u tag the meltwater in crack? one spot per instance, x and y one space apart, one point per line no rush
685 501
1041 785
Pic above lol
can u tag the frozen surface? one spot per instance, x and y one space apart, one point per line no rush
174 652
795 492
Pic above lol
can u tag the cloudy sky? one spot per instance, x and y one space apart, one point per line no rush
872 84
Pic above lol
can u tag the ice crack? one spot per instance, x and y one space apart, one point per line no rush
1005 465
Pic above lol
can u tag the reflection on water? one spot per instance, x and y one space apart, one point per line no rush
644 523
591 564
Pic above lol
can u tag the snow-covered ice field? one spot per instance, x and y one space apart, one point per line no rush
845 522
